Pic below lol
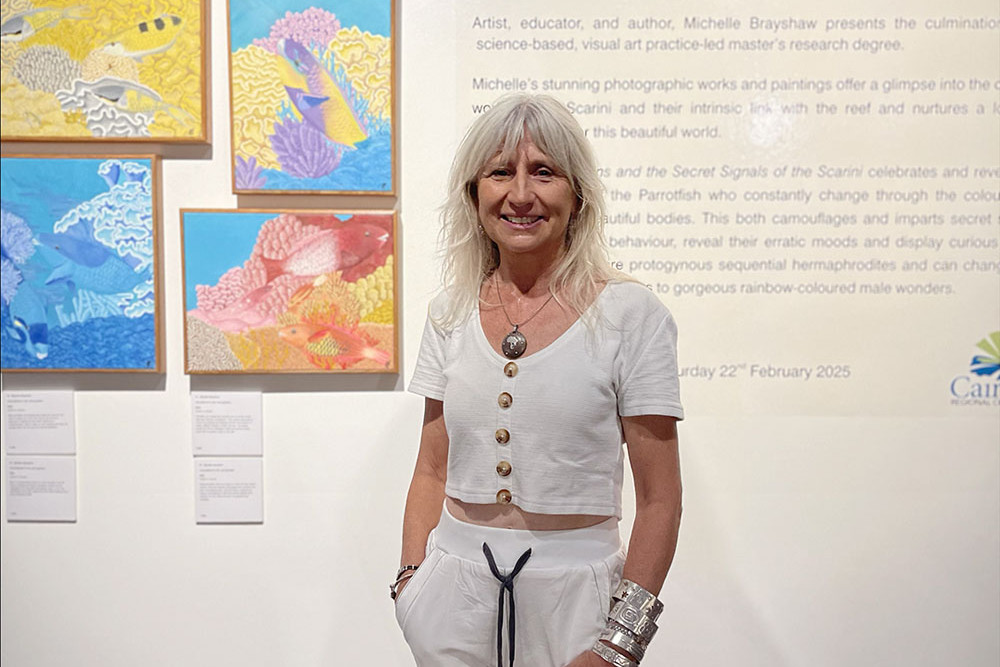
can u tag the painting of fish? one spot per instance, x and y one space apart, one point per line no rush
271 291
80 280
311 88
104 70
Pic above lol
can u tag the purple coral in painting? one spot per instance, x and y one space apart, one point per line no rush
10 278
17 245
248 174
314 27
16 238
303 151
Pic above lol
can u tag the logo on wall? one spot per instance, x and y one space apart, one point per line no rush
981 385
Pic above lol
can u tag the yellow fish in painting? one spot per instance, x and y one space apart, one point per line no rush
316 96
146 37
327 345
24 24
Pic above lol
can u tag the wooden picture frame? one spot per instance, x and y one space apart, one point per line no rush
89 72
81 265
289 291
312 96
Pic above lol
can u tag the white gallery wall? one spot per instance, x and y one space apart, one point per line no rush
841 461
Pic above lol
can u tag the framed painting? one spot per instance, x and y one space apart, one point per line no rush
80 263
312 95
77 70
272 291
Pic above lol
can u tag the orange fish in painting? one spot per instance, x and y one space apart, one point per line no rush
327 250
327 345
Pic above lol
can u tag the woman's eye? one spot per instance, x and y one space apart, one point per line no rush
500 173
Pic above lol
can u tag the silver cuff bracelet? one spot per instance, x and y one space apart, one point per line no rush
624 641
613 656
632 619
636 595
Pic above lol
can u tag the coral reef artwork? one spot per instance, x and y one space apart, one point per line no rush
289 291
312 98
103 70
78 262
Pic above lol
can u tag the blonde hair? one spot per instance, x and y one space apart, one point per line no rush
471 256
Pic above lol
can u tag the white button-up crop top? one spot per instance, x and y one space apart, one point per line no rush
544 431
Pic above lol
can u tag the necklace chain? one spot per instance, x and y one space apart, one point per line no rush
504 308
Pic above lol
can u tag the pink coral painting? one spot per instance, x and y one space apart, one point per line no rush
289 291
312 96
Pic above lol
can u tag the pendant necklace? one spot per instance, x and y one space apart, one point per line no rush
514 343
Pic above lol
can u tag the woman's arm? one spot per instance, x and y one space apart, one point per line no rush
426 494
653 455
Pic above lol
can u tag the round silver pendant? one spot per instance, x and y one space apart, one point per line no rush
513 344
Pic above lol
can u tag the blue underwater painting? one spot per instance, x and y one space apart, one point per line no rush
312 96
78 264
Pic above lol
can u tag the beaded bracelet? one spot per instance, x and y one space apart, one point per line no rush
404 573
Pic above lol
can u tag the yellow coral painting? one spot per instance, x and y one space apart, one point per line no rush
289 291
311 86
105 70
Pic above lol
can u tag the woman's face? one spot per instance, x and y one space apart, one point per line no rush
525 204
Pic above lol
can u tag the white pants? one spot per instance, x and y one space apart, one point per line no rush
448 610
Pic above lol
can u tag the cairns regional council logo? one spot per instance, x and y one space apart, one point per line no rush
981 385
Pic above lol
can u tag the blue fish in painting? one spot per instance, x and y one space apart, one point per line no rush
112 276
77 244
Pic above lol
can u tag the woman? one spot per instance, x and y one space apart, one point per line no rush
537 362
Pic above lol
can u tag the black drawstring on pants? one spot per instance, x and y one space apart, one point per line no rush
506 584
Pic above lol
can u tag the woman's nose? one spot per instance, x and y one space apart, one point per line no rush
521 192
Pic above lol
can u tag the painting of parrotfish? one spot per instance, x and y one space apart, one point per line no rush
101 70
312 97
77 236
289 291
317 97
